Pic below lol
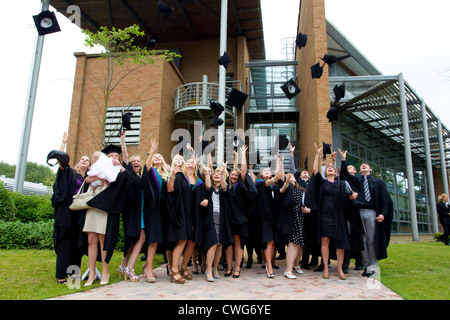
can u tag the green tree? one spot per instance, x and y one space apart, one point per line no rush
36 173
118 48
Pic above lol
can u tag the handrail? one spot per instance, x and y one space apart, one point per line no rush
200 93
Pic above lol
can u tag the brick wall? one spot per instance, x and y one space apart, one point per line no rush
314 99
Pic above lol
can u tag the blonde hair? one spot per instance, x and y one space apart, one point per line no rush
77 168
163 170
173 163
441 197
140 167
195 168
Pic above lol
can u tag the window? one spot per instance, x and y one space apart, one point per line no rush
113 122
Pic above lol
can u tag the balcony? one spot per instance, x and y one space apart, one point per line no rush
192 102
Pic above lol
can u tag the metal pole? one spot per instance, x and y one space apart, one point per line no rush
222 79
430 180
408 158
441 151
29 109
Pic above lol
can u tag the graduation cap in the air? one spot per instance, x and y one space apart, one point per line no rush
126 120
217 122
164 9
216 107
330 59
339 92
237 142
224 60
290 88
301 40
316 71
112 149
46 23
62 157
283 141
236 98
151 43
332 114
326 149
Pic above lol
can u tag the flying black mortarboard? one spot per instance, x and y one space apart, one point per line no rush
290 88
224 60
236 98
46 23
301 40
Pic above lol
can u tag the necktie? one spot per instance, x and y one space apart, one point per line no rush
366 189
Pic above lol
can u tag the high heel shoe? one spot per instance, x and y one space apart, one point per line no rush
121 272
180 280
269 275
148 279
185 274
105 282
236 275
127 271
209 276
227 274
89 283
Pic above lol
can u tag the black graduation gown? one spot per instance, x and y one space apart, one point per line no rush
65 220
209 232
112 200
132 210
180 217
152 187
341 239
268 212
198 194
383 205
238 200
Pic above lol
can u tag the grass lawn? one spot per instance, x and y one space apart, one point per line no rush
415 271
30 274
418 271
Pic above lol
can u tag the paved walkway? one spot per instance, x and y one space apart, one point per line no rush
253 284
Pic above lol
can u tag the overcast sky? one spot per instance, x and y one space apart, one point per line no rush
407 36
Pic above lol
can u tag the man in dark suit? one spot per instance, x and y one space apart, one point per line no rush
376 210
444 216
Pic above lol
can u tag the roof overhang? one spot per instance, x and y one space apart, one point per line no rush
191 20
375 102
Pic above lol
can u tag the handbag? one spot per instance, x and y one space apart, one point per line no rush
81 198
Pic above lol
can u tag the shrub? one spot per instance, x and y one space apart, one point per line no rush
20 235
438 236
32 207
7 208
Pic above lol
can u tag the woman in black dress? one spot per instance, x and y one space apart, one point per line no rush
134 232
154 185
68 237
329 197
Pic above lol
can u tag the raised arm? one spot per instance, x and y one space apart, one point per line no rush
291 158
124 147
62 147
153 147
316 159
244 163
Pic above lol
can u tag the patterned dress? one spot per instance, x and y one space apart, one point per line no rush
297 237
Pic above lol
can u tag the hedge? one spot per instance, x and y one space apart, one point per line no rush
26 235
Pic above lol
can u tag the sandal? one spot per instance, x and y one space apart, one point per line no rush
127 271
180 279
185 274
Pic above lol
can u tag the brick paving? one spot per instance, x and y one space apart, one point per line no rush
253 284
